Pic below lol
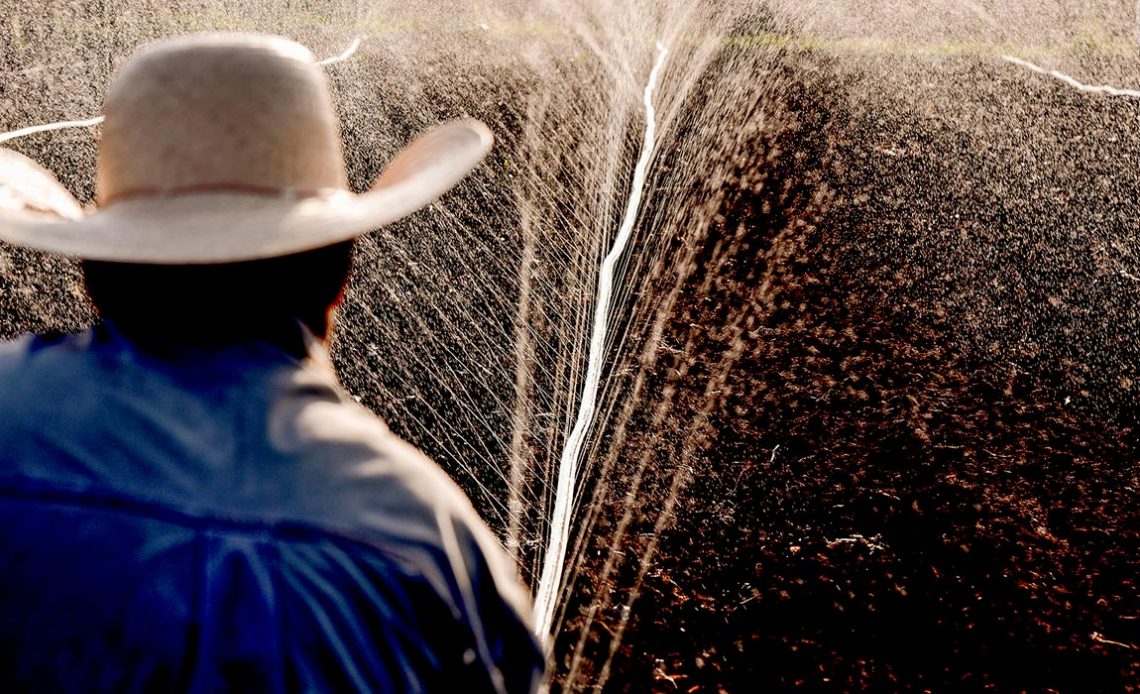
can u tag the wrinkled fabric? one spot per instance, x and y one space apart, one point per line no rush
227 520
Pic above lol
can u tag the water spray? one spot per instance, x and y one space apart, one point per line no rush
550 582
348 53
48 127
97 120
1062 77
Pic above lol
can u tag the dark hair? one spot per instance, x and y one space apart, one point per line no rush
219 304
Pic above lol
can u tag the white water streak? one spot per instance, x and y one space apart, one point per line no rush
91 122
1055 74
348 52
62 125
550 582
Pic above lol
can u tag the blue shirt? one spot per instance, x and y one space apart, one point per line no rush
227 519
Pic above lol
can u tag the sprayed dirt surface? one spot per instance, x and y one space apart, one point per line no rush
906 489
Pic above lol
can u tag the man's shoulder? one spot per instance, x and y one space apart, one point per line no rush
13 353
384 489
370 472
401 503
18 354
35 366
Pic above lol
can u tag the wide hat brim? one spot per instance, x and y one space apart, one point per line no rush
225 226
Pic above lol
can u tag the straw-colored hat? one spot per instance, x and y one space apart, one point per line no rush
221 148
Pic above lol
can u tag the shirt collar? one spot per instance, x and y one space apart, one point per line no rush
242 355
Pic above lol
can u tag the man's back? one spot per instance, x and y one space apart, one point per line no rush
207 519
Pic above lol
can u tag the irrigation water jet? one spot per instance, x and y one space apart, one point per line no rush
49 127
1072 82
570 461
344 55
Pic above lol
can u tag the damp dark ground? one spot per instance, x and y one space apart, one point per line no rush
924 476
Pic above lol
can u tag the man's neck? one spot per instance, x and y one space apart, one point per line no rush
288 335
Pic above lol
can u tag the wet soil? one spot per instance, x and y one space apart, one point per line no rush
924 476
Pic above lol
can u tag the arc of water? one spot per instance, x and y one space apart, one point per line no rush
1060 76
345 55
550 582
91 122
47 127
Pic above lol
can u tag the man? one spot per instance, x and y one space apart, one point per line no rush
187 499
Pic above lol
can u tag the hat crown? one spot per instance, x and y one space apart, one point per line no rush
242 112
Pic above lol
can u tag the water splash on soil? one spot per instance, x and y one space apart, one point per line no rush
571 459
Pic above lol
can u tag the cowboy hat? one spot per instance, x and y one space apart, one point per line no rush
222 148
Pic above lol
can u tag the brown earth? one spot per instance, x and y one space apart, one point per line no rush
921 480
